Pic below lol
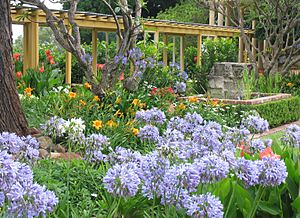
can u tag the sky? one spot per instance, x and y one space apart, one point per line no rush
18 29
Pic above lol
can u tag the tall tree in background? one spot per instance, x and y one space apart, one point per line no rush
71 41
279 25
12 119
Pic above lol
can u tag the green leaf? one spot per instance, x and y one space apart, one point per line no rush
268 208
117 9
296 204
292 187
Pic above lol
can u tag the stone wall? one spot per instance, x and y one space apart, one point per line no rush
225 80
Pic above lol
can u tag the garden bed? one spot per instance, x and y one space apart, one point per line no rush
266 97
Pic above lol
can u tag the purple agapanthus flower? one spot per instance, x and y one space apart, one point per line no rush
255 124
292 136
149 132
153 115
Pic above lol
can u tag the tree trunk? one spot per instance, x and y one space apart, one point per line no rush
12 118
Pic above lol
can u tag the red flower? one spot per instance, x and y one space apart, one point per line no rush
16 56
195 59
52 62
47 52
243 148
268 153
49 58
170 90
154 91
122 76
42 69
100 66
19 74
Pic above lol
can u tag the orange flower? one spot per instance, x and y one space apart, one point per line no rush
96 98
72 94
100 66
87 85
181 106
28 91
83 103
268 153
130 123
193 99
289 84
134 131
111 123
214 103
121 76
142 105
97 124
47 52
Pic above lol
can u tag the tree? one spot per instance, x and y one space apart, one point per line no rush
71 41
12 118
280 22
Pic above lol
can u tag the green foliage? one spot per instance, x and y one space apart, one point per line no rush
248 83
291 84
276 112
269 84
213 50
179 12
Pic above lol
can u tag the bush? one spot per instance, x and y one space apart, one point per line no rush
276 112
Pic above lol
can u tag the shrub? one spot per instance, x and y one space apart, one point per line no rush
276 112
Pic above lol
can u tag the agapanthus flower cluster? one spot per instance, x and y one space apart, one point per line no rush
154 116
94 145
205 205
292 136
122 155
122 180
149 132
23 148
180 87
24 197
255 124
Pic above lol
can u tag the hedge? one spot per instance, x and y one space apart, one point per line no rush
276 112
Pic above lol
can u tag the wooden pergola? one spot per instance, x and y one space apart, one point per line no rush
105 23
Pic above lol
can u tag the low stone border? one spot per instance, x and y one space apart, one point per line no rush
267 97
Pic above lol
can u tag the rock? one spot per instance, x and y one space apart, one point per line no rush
65 156
43 153
57 148
45 142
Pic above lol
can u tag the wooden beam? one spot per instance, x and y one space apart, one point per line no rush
182 52
94 50
165 51
199 49
174 49
33 42
69 65
156 37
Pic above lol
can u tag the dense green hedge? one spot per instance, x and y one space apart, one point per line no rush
277 112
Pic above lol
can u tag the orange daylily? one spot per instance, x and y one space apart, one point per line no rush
97 124
72 94
87 85
268 153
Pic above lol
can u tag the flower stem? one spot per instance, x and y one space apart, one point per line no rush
259 195
231 199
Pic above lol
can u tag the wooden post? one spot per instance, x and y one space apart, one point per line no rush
260 48
241 50
174 49
32 43
94 50
107 42
69 64
156 37
254 41
165 51
182 52
26 58
199 49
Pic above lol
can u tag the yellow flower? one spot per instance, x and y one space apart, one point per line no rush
142 105
82 102
97 124
134 131
72 94
96 98
111 123
87 85
118 114
130 123
118 100
181 106
135 102
193 99
290 84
